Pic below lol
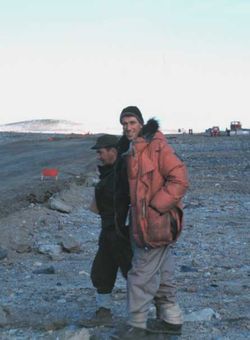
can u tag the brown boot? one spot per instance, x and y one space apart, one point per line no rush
159 326
168 320
132 333
102 317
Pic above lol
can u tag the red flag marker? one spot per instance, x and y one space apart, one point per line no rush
49 172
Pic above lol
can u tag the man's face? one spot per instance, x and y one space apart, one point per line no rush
106 156
131 127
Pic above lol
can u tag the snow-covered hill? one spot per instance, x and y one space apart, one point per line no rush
45 126
64 127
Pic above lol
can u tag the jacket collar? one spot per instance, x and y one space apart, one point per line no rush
104 170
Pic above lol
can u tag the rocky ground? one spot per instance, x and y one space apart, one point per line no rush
48 239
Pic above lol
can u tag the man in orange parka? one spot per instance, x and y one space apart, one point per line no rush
150 183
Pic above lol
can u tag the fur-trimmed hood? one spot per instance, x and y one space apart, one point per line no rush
148 131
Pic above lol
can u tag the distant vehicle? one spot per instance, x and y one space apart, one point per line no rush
215 131
235 125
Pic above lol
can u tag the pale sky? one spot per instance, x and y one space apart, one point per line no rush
185 62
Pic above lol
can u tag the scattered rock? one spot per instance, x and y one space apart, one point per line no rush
47 270
3 317
193 205
191 289
82 334
69 244
21 240
57 204
213 241
91 179
73 334
187 269
53 250
3 253
205 314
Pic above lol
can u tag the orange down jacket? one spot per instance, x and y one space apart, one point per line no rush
157 183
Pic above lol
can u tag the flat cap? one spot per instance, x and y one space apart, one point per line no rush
106 141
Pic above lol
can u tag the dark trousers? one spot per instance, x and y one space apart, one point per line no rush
113 253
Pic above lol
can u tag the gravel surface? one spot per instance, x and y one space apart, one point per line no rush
46 255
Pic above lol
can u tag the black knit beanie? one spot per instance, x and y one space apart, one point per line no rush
132 111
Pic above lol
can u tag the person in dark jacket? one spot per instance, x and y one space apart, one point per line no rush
114 252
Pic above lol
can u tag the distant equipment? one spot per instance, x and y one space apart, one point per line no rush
235 125
215 131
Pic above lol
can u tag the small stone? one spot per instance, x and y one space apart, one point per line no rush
3 317
207 274
61 301
187 269
47 270
70 245
57 204
50 249
191 289
3 253
205 314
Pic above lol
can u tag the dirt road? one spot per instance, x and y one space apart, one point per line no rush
23 156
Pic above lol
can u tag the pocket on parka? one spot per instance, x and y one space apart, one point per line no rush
163 228
159 227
